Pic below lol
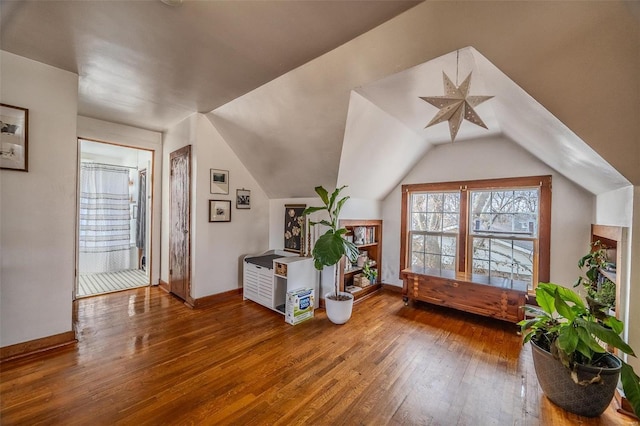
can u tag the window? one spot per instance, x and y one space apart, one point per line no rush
496 231
435 218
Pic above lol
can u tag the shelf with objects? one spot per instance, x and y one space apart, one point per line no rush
613 240
269 276
362 278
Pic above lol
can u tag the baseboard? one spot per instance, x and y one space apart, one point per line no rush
204 302
392 288
164 286
43 344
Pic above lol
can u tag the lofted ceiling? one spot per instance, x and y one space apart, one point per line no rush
150 65
303 91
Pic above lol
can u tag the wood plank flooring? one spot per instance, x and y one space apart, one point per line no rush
143 358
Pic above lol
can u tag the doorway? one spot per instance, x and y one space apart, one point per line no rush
114 212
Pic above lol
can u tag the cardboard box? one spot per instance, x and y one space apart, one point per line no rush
299 305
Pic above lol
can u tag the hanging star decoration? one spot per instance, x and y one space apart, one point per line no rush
456 105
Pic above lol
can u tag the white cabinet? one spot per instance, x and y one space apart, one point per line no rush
258 284
267 278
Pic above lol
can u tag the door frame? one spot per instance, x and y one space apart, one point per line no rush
150 184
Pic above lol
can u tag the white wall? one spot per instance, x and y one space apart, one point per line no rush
572 206
615 208
217 249
104 131
39 207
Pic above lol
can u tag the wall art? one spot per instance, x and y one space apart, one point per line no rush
219 210
243 199
219 181
294 227
14 137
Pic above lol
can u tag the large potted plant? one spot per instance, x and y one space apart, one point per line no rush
329 250
573 368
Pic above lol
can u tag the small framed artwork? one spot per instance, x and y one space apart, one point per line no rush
219 181
14 137
293 227
243 199
219 210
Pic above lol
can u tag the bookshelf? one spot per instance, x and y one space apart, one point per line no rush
367 235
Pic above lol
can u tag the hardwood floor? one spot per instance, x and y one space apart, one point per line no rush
145 358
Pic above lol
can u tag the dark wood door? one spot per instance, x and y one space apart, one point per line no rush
180 224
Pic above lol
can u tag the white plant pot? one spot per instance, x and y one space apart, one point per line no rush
338 311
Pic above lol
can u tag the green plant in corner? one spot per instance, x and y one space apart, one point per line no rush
331 246
369 272
573 332
593 261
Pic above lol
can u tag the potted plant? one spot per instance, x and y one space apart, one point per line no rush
329 249
369 272
574 370
598 287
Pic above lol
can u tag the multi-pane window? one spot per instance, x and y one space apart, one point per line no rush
495 231
503 230
435 220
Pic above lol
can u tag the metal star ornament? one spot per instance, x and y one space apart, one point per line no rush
456 105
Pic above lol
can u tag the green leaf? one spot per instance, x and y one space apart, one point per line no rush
614 323
328 250
568 339
324 195
608 336
333 197
584 350
545 298
561 306
350 250
631 386
588 340
310 210
569 295
322 222
341 231
536 311
339 205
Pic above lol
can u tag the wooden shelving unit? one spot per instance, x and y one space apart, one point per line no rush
373 247
612 237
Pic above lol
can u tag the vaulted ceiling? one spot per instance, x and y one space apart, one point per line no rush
297 89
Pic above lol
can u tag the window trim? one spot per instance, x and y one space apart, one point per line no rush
544 221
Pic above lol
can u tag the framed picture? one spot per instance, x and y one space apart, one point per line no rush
14 137
219 181
243 199
219 210
294 227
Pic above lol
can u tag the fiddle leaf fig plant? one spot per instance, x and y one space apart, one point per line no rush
573 332
331 246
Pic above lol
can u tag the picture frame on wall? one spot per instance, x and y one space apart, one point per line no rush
219 181
243 199
14 137
294 225
219 210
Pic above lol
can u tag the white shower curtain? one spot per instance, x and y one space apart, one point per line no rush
105 227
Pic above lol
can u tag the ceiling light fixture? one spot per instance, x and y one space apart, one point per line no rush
456 104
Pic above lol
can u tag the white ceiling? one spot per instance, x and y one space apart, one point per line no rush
297 88
147 64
